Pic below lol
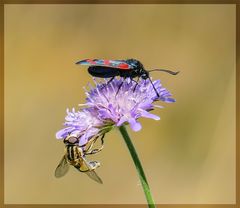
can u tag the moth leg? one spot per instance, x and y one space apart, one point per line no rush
109 81
119 87
135 84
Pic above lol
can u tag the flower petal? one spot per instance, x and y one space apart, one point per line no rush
64 132
135 126
169 100
149 115
88 135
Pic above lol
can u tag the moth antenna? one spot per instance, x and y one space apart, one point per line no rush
165 70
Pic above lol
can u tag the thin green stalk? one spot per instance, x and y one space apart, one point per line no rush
138 166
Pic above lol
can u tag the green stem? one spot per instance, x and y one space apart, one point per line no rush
138 166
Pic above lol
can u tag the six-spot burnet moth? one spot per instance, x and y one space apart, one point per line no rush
124 68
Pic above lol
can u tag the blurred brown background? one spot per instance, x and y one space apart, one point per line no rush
188 156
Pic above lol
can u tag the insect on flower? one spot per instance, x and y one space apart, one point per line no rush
75 156
131 68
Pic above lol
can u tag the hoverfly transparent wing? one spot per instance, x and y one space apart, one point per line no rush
62 167
88 168
93 175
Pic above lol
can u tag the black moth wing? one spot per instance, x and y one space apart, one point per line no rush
62 168
120 64
103 71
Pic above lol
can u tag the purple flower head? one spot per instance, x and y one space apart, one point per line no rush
83 124
107 105
127 104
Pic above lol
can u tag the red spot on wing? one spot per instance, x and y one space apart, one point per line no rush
123 66
106 62
90 61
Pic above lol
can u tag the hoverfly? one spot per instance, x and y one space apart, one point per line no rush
75 156
124 68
